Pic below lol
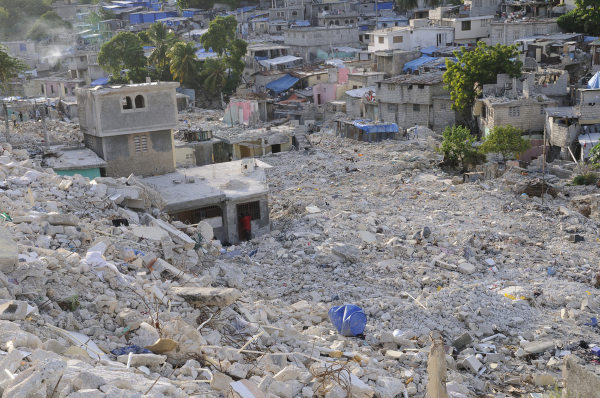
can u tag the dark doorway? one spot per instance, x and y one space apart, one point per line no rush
276 148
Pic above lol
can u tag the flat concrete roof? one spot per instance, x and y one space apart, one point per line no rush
192 188
73 159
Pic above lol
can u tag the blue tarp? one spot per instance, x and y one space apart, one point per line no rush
372 127
429 50
594 82
388 5
282 84
589 39
99 82
415 64
302 23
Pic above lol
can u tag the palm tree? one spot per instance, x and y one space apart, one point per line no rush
162 39
183 61
214 76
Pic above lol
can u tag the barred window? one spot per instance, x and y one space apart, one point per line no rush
252 209
197 215
514 111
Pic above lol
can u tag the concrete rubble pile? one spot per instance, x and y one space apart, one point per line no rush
102 296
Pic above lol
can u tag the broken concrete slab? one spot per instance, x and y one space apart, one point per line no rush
347 252
177 236
206 296
579 381
63 219
536 347
9 254
152 233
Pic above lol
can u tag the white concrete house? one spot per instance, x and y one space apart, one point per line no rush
409 38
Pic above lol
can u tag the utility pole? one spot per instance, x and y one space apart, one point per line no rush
543 165
43 112
7 133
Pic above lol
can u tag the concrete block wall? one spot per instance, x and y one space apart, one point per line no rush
589 105
508 32
443 115
530 118
401 93
122 158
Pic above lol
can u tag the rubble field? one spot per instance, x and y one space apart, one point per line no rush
98 299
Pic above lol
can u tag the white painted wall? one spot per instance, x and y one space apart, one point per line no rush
408 39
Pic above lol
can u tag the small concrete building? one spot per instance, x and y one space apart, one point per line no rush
508 31
130 127
218 194
306 41
415 99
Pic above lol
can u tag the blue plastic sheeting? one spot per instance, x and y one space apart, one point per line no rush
282 84
589 39
429 50
259 58
349 319
99 82
370 127
388 5
594 82
302 23
415 64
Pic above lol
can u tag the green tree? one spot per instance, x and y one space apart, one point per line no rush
465 77
585 18
9 68
407 5
595 156
123 52
47 26
206 4
213 76
505 140
162 39
17 16
221 37
221 32
183 62
457 146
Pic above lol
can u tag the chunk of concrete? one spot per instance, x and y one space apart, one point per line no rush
579 382
177 236
149 360
462 341
346 252
63 219
13 310
472 363
206 296
466 268
220 381
536 347
246 389
9 254
152 233
367 237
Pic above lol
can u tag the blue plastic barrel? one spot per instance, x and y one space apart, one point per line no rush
348 319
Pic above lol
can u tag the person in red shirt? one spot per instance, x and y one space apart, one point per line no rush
245 227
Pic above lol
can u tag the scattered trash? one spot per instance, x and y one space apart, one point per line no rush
119 222
134 349
348 319
593 322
